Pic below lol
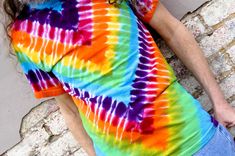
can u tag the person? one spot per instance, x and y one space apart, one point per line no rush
116 91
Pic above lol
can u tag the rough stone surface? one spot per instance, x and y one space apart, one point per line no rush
64 146
233 103
38 113
180 70
205 101
220 64
80 152
195 25
228 86
31 143
217 10
55 122
191 84
44 131
231 53
219 39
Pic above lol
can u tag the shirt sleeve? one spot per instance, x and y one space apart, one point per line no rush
44 84
36 60
42 80
144 9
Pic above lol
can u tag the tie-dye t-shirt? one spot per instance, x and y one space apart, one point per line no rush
128 96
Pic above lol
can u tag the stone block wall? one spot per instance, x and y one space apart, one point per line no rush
44 132
213 26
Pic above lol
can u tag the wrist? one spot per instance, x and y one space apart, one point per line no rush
218 102
215 94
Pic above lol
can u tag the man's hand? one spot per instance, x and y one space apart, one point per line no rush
224 113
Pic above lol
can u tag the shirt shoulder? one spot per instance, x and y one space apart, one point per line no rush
144 9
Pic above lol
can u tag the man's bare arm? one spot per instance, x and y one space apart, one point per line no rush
72 118
183 44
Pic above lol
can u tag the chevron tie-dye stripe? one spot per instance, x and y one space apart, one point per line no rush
128 97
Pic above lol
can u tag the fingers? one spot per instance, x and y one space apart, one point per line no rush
230 125
227 124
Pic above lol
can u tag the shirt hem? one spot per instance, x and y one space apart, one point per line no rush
195 149
49 93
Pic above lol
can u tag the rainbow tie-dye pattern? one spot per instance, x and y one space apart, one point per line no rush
129 99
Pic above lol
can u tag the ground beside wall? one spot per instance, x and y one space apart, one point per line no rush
44 132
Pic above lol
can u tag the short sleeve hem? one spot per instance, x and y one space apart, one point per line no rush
145 9
148 16
54 91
